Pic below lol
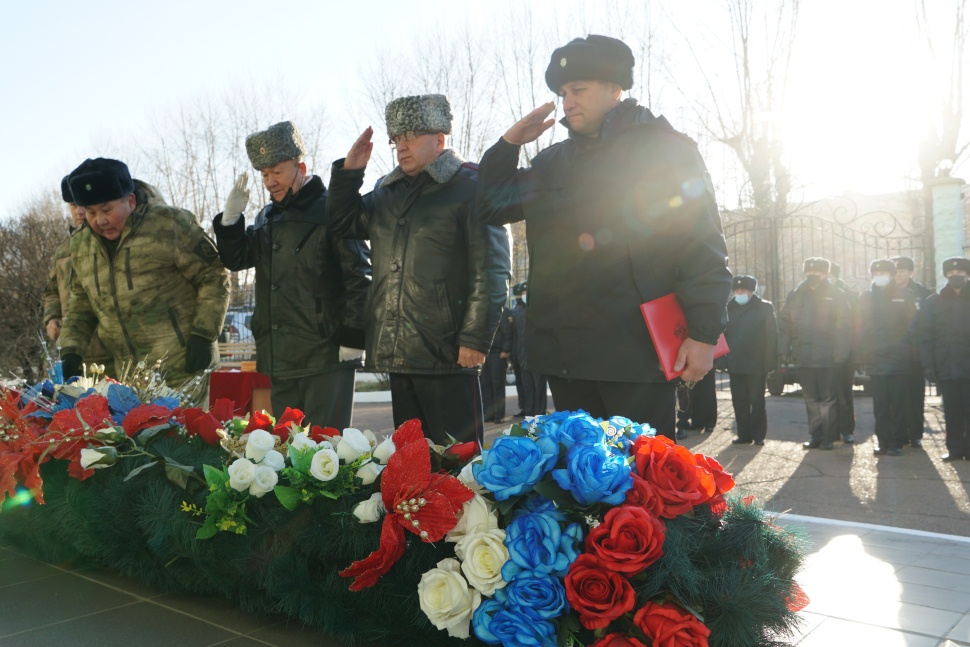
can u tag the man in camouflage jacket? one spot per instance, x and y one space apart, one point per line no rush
148 278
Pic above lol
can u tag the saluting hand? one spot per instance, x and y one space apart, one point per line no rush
360 152
530 127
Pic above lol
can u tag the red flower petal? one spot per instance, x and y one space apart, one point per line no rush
144 416
367 571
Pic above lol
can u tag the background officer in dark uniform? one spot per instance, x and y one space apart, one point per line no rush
531 386
944 336
886 312
752 336
845 376
905 268
494 370
815 331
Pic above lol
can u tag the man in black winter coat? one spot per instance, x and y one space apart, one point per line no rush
620 213
916 392
845 374
886 312
945 353
752 336
310 286
531 386
815 332
441 277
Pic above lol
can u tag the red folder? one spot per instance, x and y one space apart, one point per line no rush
668 329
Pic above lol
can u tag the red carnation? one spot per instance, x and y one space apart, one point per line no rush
673 472
671 626
617 640
629 540
596 593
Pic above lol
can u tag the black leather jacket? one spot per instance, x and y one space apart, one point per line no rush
310 286
440 276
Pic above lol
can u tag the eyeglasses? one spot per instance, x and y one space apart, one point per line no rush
409 136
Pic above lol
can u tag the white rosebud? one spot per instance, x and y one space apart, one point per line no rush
370 510
483 555
383 452
369 472
324 465
98 458
352 444
264 481
477 516
371 438
301 441
467 477
326 444
273 459
241 474
259 442
446 598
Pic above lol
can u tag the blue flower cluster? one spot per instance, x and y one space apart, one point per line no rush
515 464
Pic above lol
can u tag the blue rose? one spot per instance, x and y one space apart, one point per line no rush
539 504
580 429
538 546
495 623
515 464
549 425
543 598
594 475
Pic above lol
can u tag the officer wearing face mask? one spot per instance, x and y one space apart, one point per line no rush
944 338
886 312
815 332
752 337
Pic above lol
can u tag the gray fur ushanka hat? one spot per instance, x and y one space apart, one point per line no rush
276 144
430 112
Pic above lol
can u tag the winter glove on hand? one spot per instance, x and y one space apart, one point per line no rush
346 354
70 365
237 201
198 354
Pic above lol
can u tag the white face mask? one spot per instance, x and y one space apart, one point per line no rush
741 299
882 280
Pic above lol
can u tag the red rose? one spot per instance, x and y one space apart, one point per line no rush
597 594
671 626
289 418
673 472
319 434
644 495
223 410
463 451
617 640
203 424
259 420
629 540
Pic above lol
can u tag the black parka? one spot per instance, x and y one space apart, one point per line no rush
752 336
815 326
310 286
944 335
441 278
611 221
885 316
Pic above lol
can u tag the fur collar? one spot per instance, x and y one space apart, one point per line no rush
442 169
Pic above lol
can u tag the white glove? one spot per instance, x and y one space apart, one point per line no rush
237 201
346 354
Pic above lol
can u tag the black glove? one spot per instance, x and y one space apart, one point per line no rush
198 354
71 365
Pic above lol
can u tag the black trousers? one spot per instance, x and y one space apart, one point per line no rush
845 403
492 380
916 396
956 415
697 407
820 391
445 404
748 398
890 406
326 399
531 388
653 403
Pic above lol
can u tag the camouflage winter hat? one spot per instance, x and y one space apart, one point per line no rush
430 112
276 144
100 180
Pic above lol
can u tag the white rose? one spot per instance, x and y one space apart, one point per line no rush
483 556
371 438
324 465
260 441
467 477
326 444
383 451
241 474
477 516
352 444
273 459
98 458
369 472
301 441
264 481
446 599
370 510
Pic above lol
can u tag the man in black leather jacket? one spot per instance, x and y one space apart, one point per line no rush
310 286
440 276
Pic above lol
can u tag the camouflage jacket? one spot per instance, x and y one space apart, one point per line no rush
163 283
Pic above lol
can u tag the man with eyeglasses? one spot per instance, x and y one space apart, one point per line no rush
620 213
440 276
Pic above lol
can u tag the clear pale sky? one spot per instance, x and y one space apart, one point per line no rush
80 75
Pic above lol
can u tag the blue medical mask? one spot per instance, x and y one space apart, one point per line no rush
741 299
881 280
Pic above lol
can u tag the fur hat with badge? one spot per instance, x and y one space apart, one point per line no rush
745 282
428 112
100 180
594 58
882 265
816 264
519 288
278 143
904 263
951 264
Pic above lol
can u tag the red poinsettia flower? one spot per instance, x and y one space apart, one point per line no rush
22 454
415 499
144 416
289 418
203 424
259 420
